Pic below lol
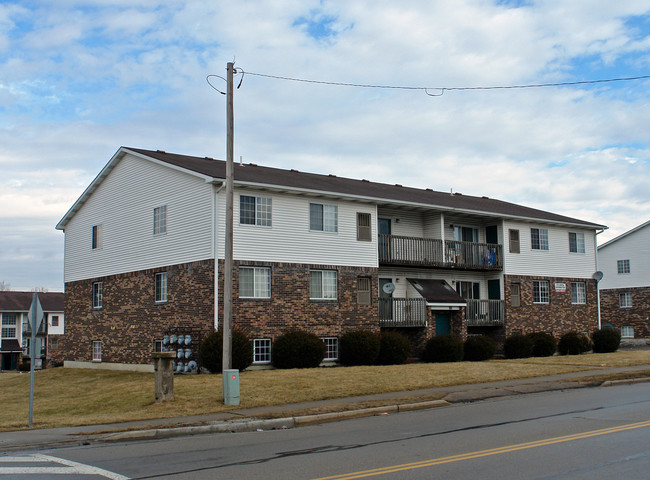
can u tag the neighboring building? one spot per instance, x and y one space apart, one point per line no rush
15 329
313 252
625 287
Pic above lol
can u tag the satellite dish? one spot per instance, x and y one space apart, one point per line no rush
388 288
598 276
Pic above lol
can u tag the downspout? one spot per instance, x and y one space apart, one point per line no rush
216 188
597 281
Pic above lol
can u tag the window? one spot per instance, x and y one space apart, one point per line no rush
9 325
515 295
55 320
331 348
323 217
157 345
540 291
513 236
97 235
161 287
262 350
627 332
465 234
469 290
364 233
623 266
98 295
254 210
322 285
539 239
363 291
54 343
576 242
578 293
97 351
625 300
160 220
254 282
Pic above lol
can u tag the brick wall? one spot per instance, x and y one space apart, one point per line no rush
558 316
637 316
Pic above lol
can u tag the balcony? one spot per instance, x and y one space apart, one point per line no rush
434 253
402 312
484 313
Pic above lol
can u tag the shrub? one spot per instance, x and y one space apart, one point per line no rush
360 347
518 346
443 348
479 348
297 350
573 343
211 351
544 344
606 340
394 348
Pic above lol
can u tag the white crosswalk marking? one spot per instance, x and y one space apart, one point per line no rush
63 467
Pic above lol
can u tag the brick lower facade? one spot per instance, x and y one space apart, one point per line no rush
636 316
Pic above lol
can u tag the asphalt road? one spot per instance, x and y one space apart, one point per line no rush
592 433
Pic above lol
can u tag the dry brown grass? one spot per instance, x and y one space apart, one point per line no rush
65 397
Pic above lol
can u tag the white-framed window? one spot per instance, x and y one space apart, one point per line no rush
254 282
364 229
578 293
157 345
55 320
322 285
98 295
625 299
465 234
255 210
540 291
539 238
160 220
9 322
323 218
97 237
97 351
364 295
576 242
623 266
513 237
627 332
515 295
262 350
331 348
161 287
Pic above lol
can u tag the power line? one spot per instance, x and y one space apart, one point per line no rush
442 90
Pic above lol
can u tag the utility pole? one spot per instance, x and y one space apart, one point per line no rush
227 288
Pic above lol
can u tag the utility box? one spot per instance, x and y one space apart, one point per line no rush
163 366
231 387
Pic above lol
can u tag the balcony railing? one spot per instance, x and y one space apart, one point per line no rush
402 312
484 313
431 252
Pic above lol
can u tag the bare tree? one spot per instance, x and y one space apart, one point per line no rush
4 286
39 289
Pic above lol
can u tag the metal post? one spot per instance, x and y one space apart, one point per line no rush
227 288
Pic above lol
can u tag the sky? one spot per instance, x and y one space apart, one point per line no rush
79 79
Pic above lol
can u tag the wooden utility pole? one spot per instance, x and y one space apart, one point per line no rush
227 288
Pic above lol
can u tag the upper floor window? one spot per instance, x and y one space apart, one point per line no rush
254 282
161 287
97 234
578 293
160 220
576 242
55 320
323 217
322 285
9 322
625 300
623 266
364 232
98 295
540 291
539 239
465 234
255 210
513 236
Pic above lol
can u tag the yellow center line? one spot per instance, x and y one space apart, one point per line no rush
485 453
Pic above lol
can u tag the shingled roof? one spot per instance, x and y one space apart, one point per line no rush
11 301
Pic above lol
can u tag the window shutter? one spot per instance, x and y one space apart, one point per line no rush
514 240
364 231
363 291
515 295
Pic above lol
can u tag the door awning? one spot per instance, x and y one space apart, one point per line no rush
438 294
10 345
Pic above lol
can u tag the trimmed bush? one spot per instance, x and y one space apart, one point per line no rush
573 343
394 348
606 340
479 348
211 351
518 346
360 347
297 350
443 348
544 344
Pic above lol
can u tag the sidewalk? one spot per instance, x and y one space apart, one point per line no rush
257 418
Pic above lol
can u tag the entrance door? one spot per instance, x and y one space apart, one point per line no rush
491 234
494 289
385 304
443 324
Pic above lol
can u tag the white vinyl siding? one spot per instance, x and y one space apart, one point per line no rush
634 247
123 204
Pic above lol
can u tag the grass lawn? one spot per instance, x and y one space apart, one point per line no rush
65 397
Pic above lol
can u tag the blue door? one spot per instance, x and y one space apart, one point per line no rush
442 324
